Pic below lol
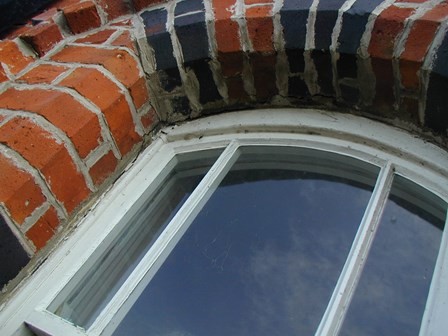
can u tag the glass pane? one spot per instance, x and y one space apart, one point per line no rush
146 221
391 295
264 254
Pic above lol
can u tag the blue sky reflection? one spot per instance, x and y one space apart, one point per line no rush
261 258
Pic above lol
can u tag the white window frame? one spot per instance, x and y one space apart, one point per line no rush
393 150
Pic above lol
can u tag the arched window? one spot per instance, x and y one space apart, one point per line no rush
275 222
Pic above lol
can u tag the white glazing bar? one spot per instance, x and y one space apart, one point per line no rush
43 323
122 302
336 309
435 321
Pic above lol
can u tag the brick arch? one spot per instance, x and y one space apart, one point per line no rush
386 58
90 80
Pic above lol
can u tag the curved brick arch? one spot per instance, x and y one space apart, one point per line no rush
105 73
383 57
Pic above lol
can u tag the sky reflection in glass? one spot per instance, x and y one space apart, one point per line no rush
85 301
392 292
261 258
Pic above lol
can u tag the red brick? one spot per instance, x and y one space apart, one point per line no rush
227 36
409 110
139 92
260 28
103 168
226 30
119 62
19 192
236 90
43 230
44 73
232 63
417 45
17 31
388 26
140 4
438 13
46 16
125 40
419 39
263 70
114 8
409 73
123 23
61 4
11 55
149 119
423 32
97 38
107 96
3 77
256 2
385 97
51 158
43 37
80 124
82 17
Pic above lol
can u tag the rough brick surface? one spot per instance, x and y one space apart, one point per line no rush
387 27
44 73
43 37
103 168
114 8
107 96
97 38
44 229
51 158
12 57
327 14
354 25
119 62
62 110
140 4
159 38
261 28
294 16
82 16
192 34
19 192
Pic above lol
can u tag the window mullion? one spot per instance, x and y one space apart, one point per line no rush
156 255
434 321
336 309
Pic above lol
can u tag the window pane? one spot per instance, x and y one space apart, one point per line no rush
264 254
391 295
83 304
